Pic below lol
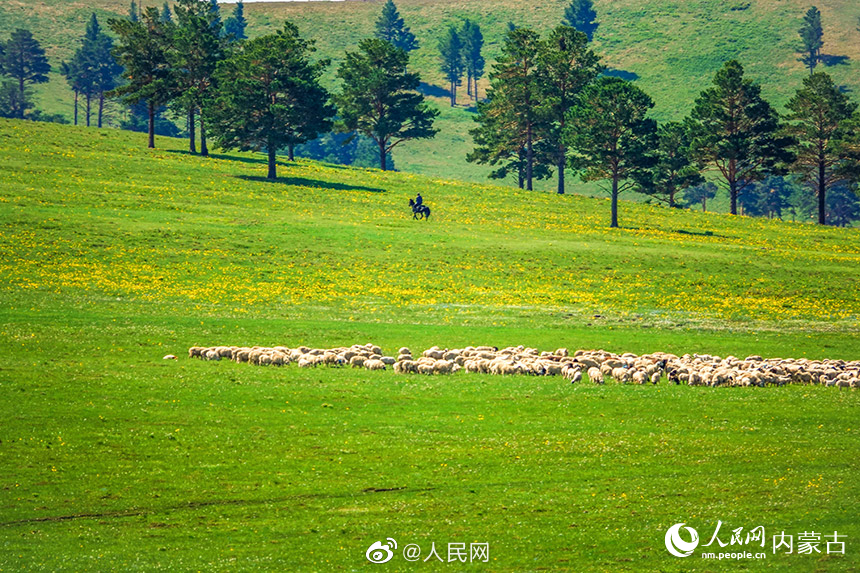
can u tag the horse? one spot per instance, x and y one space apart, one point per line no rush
419 211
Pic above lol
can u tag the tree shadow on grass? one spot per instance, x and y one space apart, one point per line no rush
432 91
830 61
260 161
681 232
302 182
623 74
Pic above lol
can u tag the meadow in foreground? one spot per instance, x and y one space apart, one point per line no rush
112 458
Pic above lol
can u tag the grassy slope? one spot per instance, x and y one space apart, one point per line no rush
112 256
674 48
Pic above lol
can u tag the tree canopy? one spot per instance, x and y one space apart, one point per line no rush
610 134
92 71
736 131
811 38
673 169
473 44
23 60
391 27
236 24
565 66
142 50
269 96
451 60
198 44
820 122
379 98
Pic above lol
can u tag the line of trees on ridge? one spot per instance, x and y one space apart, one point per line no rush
550 106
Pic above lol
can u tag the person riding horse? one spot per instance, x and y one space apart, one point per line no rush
419 209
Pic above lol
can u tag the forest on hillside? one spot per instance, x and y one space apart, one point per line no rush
546 106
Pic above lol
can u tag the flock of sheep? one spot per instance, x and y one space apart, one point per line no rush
597 366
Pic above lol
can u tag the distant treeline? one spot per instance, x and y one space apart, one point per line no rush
550 106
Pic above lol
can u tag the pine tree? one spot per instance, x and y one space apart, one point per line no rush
107 70
69 71
165 13
134 12
811 37
611 136
498 142
515 81
93 71
843 205
513 127
674 169
580 15
379 97
802 204
700 194
391 28
80 75
24 61
820 121
565 67
197 47
735 130
451 60
215 14
269 96
473 43
142 51
768 198
12 103
236 24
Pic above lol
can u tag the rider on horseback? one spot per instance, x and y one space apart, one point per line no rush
419 209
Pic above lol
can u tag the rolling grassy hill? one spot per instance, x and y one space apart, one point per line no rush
112 256
673 48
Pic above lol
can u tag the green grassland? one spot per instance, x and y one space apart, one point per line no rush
673 47
112 256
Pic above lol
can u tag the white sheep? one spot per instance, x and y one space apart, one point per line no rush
595 375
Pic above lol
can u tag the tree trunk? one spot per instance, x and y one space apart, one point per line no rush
468 83
453 94
382 155
273 170
671 198
89 99
151 125
733 192
822 190
562 157
614 222
520 169
76 107
291 152
101 107
21 91
192 135
204 149
704 204
561 176
530 156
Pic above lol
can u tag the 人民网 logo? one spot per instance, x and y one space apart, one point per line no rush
677 546
380 552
